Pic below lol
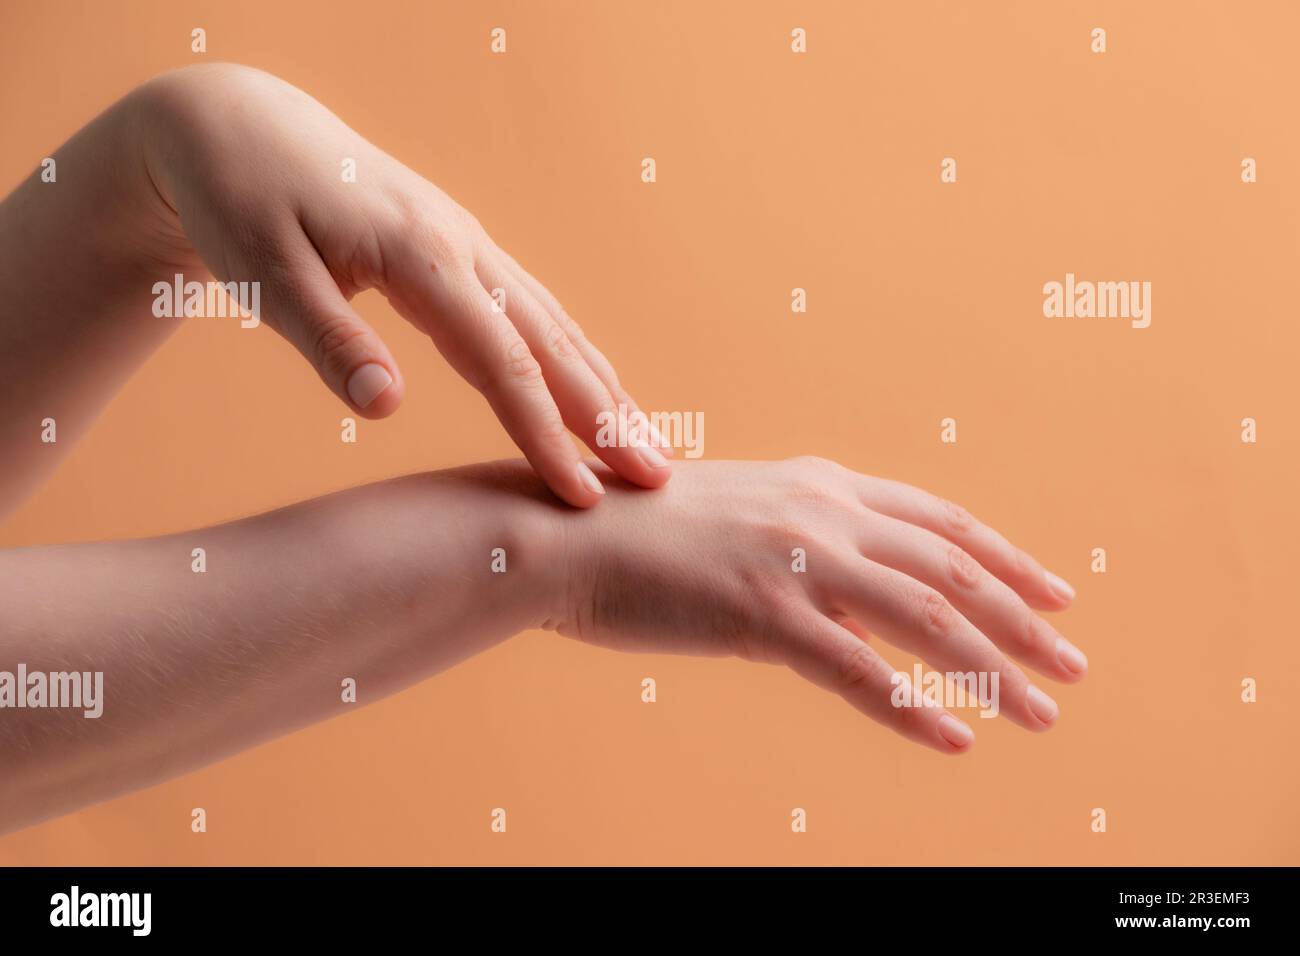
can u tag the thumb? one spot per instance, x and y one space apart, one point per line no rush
304 304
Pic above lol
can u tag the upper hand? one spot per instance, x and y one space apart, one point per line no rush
249 176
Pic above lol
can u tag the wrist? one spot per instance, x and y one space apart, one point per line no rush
492 532
180 116
154 113
530 547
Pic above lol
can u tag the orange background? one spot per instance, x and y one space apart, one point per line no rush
775 170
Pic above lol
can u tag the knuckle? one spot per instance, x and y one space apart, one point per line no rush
558 342
785 532
404 207
437 246
859 667
955 518
521 367
437 241
937 616
367 265
813 494
332 343
812 481
810 462
551 428
964 569
1030 629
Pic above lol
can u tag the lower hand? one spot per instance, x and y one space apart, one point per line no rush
706 567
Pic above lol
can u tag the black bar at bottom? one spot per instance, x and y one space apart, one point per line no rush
664 907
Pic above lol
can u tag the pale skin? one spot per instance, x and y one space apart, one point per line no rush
229 172
390 583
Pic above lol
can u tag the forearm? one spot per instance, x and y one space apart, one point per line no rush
78 258
385 584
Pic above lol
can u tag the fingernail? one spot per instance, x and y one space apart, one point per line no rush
652 457
1071 658
1043 707
1059 587
588 478
954 731
368 383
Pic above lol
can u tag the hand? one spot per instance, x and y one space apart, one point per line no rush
248 171
705 567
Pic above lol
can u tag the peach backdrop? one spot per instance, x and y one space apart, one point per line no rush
775 170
